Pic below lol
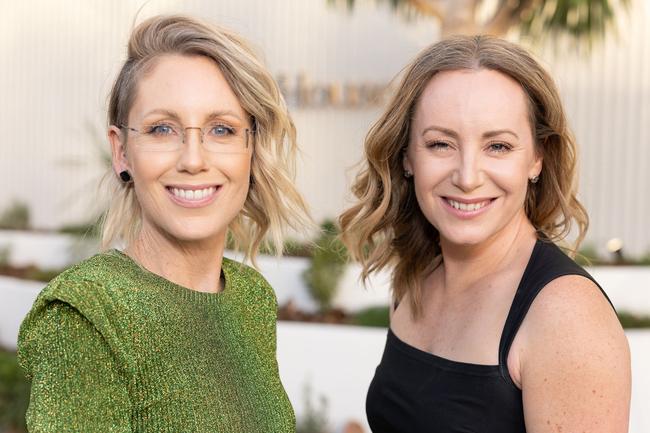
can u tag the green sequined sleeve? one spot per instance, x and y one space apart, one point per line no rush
76 386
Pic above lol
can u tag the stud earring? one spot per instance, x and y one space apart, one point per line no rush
534 179
125 176
407 174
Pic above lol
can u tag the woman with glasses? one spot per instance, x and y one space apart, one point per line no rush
166 334
469 184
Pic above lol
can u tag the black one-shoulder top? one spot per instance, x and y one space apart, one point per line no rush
416 392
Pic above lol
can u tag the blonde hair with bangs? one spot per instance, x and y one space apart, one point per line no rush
386 227
273 203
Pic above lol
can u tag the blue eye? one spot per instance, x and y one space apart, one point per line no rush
161 130
499 147
221 130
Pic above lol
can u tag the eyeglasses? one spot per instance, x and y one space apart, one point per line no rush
169 137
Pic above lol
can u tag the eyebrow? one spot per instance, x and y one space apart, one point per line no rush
211 116
454 134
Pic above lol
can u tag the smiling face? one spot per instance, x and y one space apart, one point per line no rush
190 193
471 152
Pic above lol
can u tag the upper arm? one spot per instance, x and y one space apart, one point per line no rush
575 364
76 385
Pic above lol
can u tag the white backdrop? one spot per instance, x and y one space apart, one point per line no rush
59 59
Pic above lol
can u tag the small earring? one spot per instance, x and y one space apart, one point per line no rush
407 174
125 176
534 179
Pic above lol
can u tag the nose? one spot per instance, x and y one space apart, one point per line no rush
468 174
192 158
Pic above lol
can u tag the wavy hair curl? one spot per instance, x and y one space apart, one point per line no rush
273 203
386 228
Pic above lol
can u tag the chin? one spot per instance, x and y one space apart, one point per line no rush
465 238
464 241
194 232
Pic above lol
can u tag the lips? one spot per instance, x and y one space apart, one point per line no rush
467 208
193 195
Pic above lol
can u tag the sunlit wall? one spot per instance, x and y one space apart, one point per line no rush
59 59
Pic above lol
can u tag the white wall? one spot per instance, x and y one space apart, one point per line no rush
627 287
61 57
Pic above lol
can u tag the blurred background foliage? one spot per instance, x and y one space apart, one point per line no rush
584 21
15 216
14 394
327 265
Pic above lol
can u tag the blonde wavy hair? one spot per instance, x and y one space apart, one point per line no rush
386 228
273 204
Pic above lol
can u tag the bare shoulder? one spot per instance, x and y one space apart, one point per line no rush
572 309
575 361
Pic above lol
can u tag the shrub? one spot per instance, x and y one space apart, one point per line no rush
645 259
5 253
38 274
15 216
587 256
314 420
88 229
14 394
327 265
291 247
373 316
631 321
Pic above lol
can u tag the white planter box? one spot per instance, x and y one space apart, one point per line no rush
628 287
45 250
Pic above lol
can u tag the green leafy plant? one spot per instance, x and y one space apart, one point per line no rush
645 259
5 253
14 394
291 247
45 275
314 420
294 248
88 229
327 266
373 316
587 256
15 216
581 20
632 321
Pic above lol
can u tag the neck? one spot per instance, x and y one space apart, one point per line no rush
464 265
192 264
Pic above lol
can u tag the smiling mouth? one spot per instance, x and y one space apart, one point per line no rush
468 207
193 194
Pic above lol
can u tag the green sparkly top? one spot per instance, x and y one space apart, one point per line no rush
111 347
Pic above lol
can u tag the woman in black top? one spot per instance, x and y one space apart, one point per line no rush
469 183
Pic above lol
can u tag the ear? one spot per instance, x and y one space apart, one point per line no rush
116 138
406 162
536 167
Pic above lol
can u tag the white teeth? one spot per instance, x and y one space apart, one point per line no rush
193 194
465 207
